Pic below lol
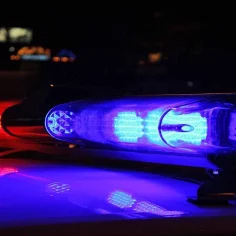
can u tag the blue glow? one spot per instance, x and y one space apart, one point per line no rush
168 124
38 193
187 128
121 199
61 122
35 57
66 53
195 135
57 188
128 127
151 127
148 207
232 127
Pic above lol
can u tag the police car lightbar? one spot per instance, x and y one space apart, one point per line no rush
166 123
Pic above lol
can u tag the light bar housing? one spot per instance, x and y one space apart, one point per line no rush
166 123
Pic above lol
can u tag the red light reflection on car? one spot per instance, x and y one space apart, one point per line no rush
3 106
7 170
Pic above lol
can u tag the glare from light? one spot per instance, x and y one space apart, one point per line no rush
3 35
141 62
125 200
190 84
121 199
35 57
7 170
15 57
64 59
11 49
57 188
154 57
20 35
56 59
34 51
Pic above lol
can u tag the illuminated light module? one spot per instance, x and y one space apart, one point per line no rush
153 124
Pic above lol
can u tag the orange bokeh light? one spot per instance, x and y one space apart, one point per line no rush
34 50
14 57
56 59
64 59
154 57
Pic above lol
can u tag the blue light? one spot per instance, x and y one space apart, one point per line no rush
61 122
232 127
66 53
198 124
124 200
35 57
128 127
57 188
148 207
195 127
121 199
151 127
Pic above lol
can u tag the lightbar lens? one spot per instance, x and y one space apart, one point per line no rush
205 124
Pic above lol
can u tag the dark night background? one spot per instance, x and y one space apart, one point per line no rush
197 45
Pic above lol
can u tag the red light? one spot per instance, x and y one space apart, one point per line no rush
3 106
7 170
